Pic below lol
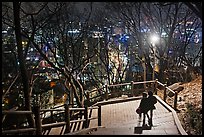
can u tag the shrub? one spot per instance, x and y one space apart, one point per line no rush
194 119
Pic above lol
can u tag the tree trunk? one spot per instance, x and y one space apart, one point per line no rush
24 75
76 94
73 91
81 91
162 67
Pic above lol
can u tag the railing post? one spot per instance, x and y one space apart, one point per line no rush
38 122
52 118
99 115
155 86
67 118
165 85
88 98
86 117
106 92
132 87
175 100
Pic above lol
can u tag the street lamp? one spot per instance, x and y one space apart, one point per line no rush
154 39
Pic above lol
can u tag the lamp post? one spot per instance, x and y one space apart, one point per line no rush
154 39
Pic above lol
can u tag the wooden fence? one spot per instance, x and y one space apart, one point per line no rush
130 89
166 91
74 119
79 118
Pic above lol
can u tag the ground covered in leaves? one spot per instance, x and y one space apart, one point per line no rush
189 106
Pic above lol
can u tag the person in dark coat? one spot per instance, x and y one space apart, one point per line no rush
144 107
152 100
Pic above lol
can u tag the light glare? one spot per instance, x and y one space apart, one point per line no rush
154 38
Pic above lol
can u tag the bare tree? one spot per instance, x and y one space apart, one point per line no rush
23 70
67 36
196 7
154 18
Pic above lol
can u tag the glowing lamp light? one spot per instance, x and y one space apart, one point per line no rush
154 38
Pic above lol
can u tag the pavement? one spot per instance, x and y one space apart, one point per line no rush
121 119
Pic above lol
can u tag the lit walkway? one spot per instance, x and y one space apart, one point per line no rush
121 119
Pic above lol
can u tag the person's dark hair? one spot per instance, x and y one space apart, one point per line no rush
144 94
150 93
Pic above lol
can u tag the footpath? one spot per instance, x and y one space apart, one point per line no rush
121 119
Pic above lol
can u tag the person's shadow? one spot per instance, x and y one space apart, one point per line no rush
139 128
